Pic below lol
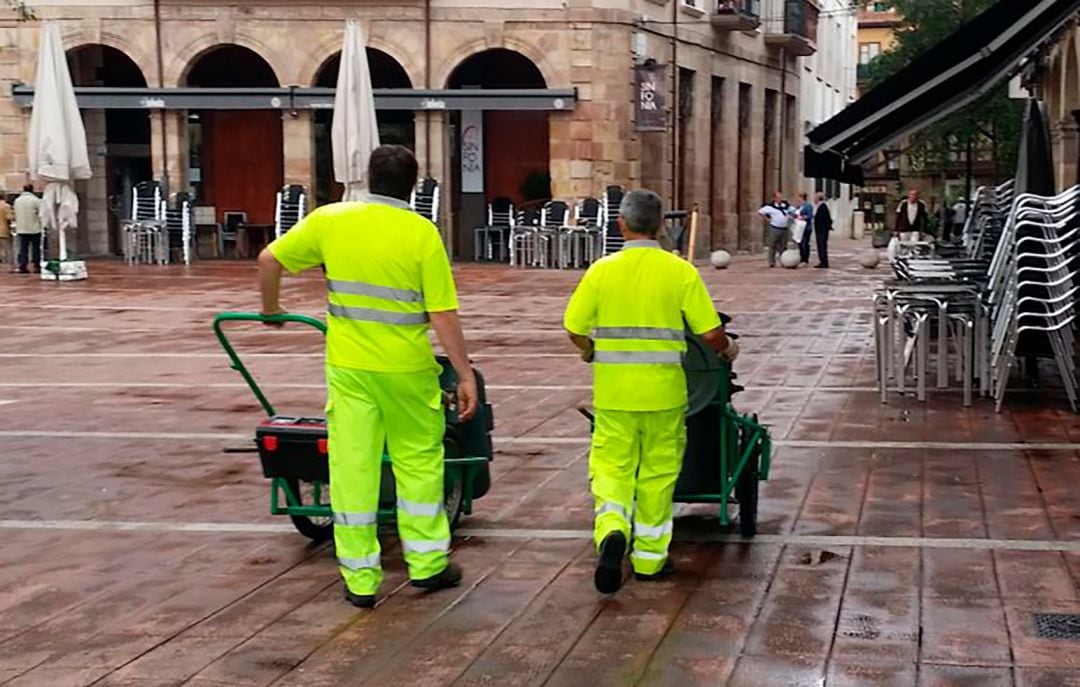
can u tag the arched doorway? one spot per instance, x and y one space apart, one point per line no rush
235 161
515 146
395 126
119 143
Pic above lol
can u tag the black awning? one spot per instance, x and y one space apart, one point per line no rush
952 74
297 98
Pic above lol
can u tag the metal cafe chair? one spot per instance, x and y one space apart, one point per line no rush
523 238
552 235
425 199
289 208
493 236
587 235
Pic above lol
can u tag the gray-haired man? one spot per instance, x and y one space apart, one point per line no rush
627 316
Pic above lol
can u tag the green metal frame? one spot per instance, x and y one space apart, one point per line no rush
465 468
733 461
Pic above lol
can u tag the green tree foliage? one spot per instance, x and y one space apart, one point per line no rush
993 121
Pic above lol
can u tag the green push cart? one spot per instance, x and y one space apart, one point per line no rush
294 452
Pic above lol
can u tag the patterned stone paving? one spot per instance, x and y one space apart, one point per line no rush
900 544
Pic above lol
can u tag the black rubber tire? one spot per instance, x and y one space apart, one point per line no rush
317 530
454 482
746 492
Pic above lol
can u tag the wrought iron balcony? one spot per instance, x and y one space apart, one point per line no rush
799 30
737 15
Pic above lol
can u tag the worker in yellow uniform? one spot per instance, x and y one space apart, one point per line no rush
628 316
387 278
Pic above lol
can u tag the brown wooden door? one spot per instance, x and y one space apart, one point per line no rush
244 168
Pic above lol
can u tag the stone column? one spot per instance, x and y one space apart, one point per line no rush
297 144
91 237
175 148
1067 152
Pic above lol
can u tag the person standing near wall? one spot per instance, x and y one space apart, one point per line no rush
28 229
7 213
805 213
777 216
823 225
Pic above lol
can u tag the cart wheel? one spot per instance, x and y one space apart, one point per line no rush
746 492
454 481
317 530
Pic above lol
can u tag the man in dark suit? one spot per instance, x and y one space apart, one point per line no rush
822 227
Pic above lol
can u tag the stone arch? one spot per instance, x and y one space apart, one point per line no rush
331 47
460 55
122 69
177 70
386 71
1070 78
81 38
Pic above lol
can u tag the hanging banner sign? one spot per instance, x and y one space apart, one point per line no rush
649 102
472 151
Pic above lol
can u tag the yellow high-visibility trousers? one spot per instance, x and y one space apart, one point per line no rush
633 466
367 411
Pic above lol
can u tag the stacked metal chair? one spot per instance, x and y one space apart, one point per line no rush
179 227
498 234
145 238
552 236
1015 277
289 208
613 240
426 198
1033 286
586 236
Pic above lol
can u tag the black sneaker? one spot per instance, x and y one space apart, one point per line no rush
449 577
609 575
666 570
360 600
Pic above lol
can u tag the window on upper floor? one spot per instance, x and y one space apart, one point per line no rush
868 51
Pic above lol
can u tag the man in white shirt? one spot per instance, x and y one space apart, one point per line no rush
28 228
778 220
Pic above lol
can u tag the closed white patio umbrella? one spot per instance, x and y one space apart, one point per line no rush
355 131
57 146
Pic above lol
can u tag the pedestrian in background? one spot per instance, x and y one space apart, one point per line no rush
7 213
805 215
28 229
777 216
823 225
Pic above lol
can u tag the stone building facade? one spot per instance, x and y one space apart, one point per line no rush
733 98
1060 89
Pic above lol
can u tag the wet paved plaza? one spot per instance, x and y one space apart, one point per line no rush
900 544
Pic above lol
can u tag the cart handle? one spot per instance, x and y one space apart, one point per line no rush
235 359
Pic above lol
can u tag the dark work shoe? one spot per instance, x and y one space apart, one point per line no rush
821 267
449 577
608 577
360 600
666 570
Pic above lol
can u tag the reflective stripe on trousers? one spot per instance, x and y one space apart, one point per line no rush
367 412
355 519
365 563
634 464
638 357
